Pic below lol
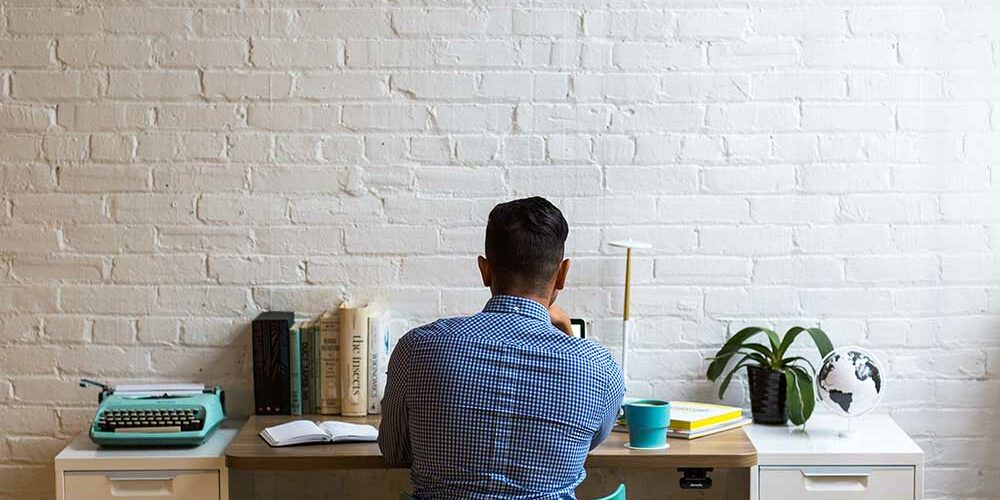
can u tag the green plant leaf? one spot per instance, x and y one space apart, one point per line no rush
806 392
761 348
721 358
795 361
718 365
740 337
793 398
725 382
773 339
761 360
822 341
819 337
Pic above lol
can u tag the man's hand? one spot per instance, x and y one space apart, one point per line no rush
560 319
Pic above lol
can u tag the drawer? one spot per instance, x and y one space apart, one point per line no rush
142 485
836 483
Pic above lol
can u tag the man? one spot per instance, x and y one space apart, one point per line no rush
504 404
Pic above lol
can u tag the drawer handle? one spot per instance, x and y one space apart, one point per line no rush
834 479
142 476
837 472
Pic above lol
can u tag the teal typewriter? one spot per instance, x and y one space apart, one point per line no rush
156 415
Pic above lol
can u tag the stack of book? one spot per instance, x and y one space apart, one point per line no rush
693 420
333 364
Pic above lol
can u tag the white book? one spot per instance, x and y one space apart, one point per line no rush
353 360
305 431
378 360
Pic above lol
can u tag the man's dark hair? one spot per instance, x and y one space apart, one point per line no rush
525 240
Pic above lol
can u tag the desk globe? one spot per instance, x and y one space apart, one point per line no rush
850 382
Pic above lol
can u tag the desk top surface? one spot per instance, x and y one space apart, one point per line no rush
731 449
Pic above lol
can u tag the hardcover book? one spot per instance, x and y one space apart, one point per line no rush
378 360
295 364
329 364
271 370
353 361
306 351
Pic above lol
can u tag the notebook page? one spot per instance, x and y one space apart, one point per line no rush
294 432
343 431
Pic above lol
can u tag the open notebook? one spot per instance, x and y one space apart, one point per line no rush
305 431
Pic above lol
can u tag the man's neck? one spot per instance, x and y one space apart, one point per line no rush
545 301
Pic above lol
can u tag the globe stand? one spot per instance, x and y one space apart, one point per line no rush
846 434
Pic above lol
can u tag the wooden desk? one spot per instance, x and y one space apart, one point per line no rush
248 451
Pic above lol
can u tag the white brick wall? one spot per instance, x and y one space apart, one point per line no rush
169 170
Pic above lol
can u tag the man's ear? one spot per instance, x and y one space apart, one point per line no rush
561 274
485 271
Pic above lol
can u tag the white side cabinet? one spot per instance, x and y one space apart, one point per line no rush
876 461
85 471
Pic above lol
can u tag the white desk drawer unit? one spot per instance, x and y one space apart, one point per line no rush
85 471
878 461
142 485
837 483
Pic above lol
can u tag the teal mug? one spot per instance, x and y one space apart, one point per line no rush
647 421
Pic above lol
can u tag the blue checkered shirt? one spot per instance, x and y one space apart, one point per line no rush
497 405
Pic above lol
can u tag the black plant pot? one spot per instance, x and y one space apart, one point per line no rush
767 396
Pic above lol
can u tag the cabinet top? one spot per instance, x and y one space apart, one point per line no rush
873 440
82 448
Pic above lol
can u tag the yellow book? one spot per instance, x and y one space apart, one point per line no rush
685 415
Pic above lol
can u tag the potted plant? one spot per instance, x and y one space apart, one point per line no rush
781 387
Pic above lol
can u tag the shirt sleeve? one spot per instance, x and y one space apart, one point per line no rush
394 432
613 401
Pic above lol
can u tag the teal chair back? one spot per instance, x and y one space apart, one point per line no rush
619 494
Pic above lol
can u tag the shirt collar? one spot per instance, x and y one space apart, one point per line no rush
517 305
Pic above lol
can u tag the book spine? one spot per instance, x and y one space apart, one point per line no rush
280 337
305 351
270 366
354 361
261 397
329 372
317 389
295 370
378 360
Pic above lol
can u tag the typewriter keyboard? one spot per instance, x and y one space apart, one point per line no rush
151 420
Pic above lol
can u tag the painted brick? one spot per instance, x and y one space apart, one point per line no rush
54 207
762 53
105 53
893 269
148 21
813 22
268 53
752 117
55 85
243 22
391 239
451 22
335 86
713 24
154 85
94 117
657 56
54 21
247 86
865 53
16 117
799 269
200 54
33 53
